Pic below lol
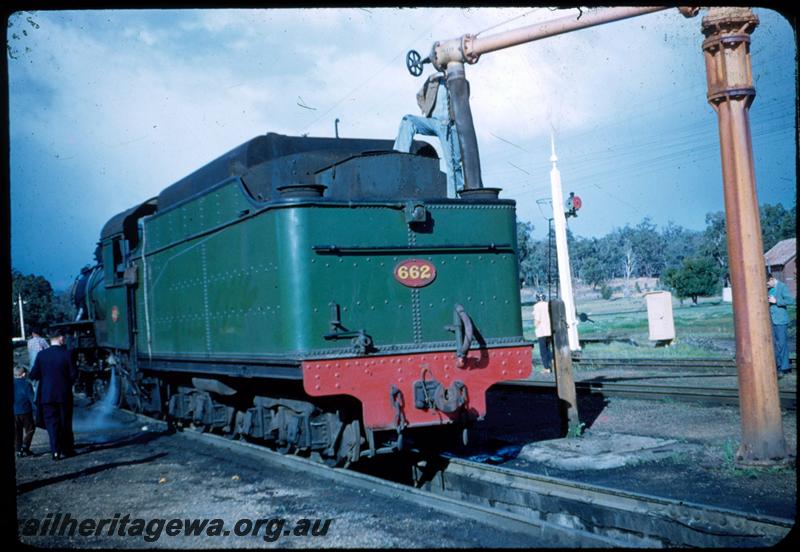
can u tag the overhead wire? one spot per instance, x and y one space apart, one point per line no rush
592 159
506 22
597 161
364 83
619 172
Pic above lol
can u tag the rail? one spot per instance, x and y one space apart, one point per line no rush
650 391
655 362
632 519
565 513
501 519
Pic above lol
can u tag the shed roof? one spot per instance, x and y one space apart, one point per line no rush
781 253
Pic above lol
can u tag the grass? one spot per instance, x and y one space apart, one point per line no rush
729 450
729 455
704 330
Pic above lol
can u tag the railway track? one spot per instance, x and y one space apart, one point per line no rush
559 512
543 532
650 391
725 364
630 519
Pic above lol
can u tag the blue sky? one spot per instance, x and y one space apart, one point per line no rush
108 107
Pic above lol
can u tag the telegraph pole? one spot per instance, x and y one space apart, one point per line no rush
539 203
731 92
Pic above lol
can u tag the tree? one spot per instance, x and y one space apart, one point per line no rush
679 243
593 273
63 308
626 257
526 252
629 261
777 223
714 244
697 277
37 294
648 248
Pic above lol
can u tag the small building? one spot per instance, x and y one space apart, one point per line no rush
781 260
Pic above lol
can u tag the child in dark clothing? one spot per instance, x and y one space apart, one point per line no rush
23 412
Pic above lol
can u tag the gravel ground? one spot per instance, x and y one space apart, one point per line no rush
147 474
123 469
701 469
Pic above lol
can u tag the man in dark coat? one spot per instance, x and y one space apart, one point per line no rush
56 374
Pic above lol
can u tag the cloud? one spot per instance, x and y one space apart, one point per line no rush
115 105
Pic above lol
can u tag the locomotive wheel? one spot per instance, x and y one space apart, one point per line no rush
350 443
133 397
99 390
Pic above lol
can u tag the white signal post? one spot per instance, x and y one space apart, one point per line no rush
21 317
562 252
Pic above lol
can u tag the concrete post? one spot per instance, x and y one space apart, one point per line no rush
730 92
562 250
562 358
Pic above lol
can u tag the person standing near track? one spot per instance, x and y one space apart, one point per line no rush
779 298
541 327
36 344
56 373
24 426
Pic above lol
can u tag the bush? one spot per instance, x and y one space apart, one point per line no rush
606 292
697 277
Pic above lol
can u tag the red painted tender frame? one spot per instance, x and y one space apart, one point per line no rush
370 380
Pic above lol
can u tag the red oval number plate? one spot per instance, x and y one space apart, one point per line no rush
415 273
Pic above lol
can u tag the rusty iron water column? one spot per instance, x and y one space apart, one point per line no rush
730 92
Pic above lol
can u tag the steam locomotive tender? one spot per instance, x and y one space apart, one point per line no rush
321 294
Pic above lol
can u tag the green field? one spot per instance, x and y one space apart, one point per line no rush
703 330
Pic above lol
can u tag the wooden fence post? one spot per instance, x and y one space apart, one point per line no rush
565 383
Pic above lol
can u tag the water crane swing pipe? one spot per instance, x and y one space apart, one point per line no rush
450 56
468 48
459 100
